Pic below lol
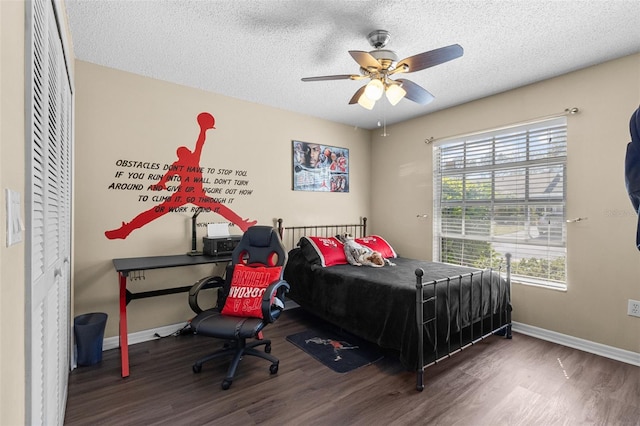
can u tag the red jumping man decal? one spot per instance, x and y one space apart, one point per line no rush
336 345
187 168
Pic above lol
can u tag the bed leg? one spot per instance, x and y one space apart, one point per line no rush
504 332
420 323
508 256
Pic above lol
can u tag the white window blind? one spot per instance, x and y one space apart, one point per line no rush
500 192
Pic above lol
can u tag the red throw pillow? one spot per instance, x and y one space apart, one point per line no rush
248 285
327 251
379 244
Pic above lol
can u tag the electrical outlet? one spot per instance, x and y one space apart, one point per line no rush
634 308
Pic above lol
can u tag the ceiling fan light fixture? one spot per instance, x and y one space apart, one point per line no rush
365 102
395 93
380 64
374 89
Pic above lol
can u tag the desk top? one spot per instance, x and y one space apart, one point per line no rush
129 264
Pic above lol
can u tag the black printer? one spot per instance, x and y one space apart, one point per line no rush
220 246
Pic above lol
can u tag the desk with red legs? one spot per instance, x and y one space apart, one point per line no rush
125 266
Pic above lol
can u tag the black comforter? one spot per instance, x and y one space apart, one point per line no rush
379 304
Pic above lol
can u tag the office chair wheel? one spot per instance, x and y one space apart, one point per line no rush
197 368
273 369
226 384
267 348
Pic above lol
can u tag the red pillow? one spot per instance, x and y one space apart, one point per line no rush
327 251
248 285
379 244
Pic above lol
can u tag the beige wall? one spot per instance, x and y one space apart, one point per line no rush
603 264
12 175
122 116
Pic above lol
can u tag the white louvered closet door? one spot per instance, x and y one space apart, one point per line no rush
48 207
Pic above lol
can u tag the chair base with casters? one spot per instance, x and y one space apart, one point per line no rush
236 331
238 350
259 250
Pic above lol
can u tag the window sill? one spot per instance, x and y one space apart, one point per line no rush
557 287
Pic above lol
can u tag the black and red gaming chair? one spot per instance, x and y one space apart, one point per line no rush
259 252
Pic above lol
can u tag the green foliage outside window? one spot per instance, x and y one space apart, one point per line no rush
540 268
477 221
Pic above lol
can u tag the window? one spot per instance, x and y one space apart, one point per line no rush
504 192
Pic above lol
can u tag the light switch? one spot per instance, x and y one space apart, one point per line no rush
14 221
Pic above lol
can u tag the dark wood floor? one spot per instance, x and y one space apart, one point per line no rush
523 381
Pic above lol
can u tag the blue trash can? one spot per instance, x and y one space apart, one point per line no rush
89 332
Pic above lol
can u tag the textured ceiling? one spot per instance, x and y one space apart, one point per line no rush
258 50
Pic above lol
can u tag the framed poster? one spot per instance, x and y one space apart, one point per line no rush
320 167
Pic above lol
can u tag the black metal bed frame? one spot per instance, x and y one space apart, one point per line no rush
291 235
473 338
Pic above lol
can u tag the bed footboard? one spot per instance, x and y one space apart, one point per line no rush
477 330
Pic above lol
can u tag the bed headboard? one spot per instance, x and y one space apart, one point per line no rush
292 234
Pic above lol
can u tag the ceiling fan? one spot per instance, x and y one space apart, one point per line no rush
380 64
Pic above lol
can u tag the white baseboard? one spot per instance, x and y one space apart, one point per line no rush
142 336
611 352
290 304
146 335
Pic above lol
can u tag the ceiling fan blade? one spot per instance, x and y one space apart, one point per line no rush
356 96
431 58
332 77
364 59
415 92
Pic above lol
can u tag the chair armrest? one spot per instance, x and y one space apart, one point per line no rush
204 283
270 310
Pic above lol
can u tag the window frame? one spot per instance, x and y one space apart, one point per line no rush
490 155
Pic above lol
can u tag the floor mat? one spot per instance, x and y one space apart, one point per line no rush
339 351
